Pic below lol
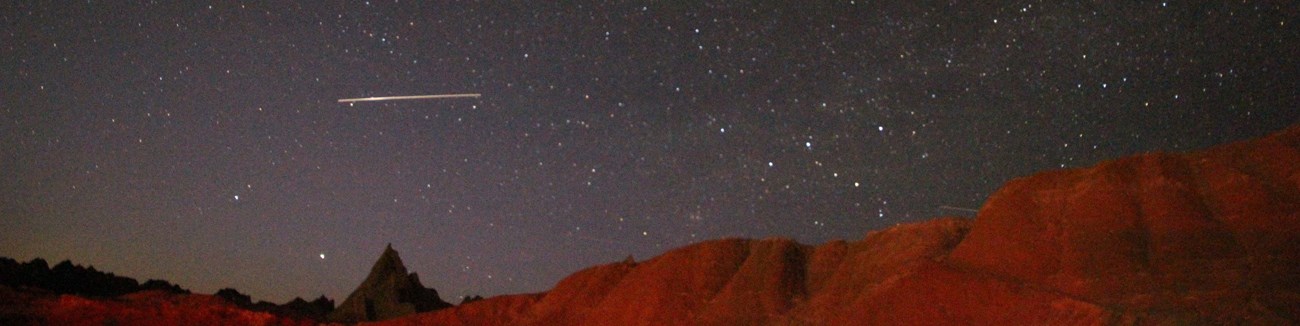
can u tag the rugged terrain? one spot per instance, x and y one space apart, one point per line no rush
1198 238
1202 238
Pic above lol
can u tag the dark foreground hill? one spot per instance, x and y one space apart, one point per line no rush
1201 238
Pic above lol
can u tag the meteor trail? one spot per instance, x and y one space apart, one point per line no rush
410 97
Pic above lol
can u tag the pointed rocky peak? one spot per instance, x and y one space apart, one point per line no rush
389 263
389 291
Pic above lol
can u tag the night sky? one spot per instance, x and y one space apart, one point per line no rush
204 144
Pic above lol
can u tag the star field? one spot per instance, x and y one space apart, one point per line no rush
203 144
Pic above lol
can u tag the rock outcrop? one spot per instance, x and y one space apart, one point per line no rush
1200 238
1209 236
388 292
721 282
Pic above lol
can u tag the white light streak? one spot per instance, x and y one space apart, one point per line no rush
409 97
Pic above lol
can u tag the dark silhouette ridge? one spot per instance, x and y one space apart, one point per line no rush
67 278
235 297
36 277
161 285
317 309
388 292
470 298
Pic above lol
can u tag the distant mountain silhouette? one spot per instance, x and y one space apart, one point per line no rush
1202 238
470 298
388 292
66 278
317 309
33 280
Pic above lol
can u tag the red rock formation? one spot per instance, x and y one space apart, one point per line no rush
724 282
152 307
1211 234
387 292
1208 237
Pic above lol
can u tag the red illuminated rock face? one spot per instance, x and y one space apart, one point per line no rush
1211 235
724 282
1207 237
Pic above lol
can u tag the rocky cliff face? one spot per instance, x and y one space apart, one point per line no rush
722 282
387 292
1211 236
1207 237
